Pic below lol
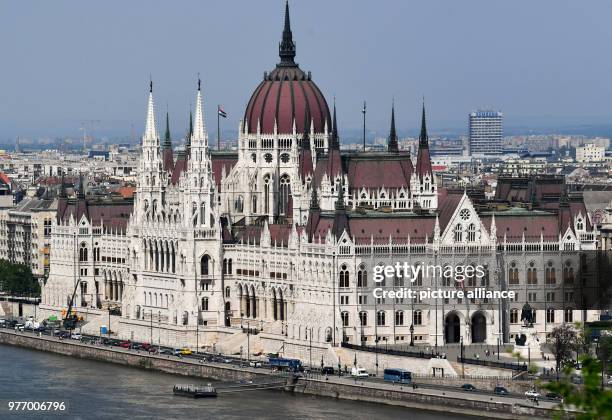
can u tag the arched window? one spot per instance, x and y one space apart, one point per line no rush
399 317
227 291
447 275
363 318
254 204
267 194
513 275
568 273
203 213
471 233
194 213
532 274
204 263
205 304
239 204
579 225
458 233
362 276
417 317
550 315
380 318
83 253
514 316
285 194
345 318
344 276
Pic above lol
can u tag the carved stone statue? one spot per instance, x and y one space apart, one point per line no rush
527 315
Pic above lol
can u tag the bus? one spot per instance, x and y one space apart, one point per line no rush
401 376
282 363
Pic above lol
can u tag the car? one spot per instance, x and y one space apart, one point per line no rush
3 323
136 346
359 373
255 364
554 397
468 387
126 344
532 393
64 334
76 336
500 390
327 370
164 351
19 327
186 352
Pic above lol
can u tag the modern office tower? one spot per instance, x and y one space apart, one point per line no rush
485 132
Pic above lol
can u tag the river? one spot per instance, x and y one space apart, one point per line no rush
97 390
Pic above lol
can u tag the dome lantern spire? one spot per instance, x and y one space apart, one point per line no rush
286 49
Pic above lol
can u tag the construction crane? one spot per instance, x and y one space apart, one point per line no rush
70 320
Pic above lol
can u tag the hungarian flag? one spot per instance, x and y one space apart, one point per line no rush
222 112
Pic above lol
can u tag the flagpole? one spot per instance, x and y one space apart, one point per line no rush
218 129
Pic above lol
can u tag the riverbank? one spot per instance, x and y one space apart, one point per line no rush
341 388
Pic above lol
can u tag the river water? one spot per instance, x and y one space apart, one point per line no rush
96 390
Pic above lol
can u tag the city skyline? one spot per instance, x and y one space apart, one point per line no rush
64 81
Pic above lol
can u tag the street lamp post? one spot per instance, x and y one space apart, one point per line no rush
248 342
411 335
151 324
376 352
462 360
310 347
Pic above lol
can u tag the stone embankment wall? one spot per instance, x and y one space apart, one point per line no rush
371 392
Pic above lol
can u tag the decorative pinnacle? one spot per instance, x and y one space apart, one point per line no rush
286 49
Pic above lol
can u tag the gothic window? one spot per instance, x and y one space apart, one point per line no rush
471 233
568 316
239 204
267 194
285 194
146 205
568 273
194 213
380 318
363 318
268 157
551 276
83 253
345 318
203 213
254 204
417 317
344 276
532 274
550 315
285 157
254 157
513 275
228 291
514 316
446 276
464 214
399 318
579 225
458 233
204 265
362 276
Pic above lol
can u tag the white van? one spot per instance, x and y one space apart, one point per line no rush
359 372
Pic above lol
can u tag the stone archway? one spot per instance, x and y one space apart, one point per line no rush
452 328
479 328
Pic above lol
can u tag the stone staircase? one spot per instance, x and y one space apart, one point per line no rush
6 309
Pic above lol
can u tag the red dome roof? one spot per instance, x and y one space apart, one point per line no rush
285 94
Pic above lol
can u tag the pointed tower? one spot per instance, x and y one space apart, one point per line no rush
423 182
189 134
340 216
392 145
286 48
167 148
305 163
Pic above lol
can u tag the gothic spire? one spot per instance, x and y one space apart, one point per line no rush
189 134
423 139
314 199
199 128
150 134
286 48
392 146
340 200
335 141
167 138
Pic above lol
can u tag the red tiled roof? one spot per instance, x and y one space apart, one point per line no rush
376 173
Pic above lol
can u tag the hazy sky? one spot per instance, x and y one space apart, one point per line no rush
65 62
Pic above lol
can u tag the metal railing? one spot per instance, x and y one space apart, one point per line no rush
492 363
394 352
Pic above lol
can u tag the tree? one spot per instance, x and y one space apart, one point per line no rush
17 279
592 402
562 341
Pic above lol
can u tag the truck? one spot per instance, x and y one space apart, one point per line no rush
283 363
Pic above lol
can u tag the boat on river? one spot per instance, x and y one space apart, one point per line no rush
194 391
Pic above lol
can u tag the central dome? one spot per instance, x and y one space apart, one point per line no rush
287 94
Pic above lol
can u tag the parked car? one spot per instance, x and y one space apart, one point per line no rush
359 372
468 387
255 364
554 397
126 344
164 351
19 327
63 334
2 323
327 370
76 336
500 390
186 352
532 393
